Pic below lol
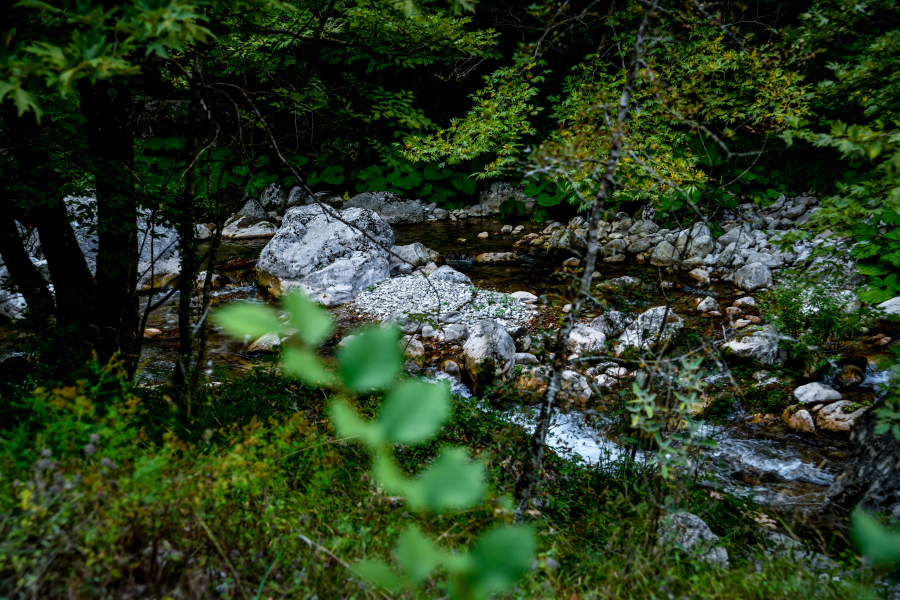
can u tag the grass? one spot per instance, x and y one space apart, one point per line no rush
254 497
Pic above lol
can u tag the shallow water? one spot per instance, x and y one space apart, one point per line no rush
773 467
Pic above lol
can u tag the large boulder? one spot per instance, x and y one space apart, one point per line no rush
273 197
489 353
331 261
253 209
839 417
586 340
611 323
739 235
393 209
761 347
664 255
688 533
890 307
448 273
688 237
816 393
653 326
798 419
870 477
500 192
753 276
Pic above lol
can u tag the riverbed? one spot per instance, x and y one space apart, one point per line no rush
772 466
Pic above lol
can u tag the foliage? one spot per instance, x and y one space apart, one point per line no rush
877 543
815 316
858 117
412 413
672 424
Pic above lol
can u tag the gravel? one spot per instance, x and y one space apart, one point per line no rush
415 294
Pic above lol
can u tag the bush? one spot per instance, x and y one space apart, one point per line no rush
815 317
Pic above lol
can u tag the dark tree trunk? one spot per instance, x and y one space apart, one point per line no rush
22 271
186 233
108 107
36 198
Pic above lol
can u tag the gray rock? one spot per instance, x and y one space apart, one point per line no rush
701 246
753 276
455 333
707 304
574 384
664 255
500 192
643 228
816 393
689 236
414 254
690 534
252 209
404 323
448 273
799 420
202 232
489 353
613 248
761 347
727 256
745 302
330 260
273 197
586 340
440 214
651 327
569 239
248 228
869 478
836 419
393 209
738 235
526 297
890 307
298 197
524 358
611 323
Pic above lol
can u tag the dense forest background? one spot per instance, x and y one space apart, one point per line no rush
174 112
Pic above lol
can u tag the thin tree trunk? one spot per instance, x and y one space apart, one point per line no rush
108 107
186 233
535 461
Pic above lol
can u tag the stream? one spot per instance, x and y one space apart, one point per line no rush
771 465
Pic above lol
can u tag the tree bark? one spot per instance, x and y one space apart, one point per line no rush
186 233
108 107
29 281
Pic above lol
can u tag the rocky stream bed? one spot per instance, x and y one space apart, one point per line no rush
759 457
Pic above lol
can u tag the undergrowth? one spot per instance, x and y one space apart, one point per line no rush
122 496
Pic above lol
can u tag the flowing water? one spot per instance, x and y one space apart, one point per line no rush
770 465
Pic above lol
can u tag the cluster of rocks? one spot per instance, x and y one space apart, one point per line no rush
747 254
821 408
443 297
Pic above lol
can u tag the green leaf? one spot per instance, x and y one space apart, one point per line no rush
877 543
371 360
417 555
463 183
413 412
452 482
434 172
348 424
405 180
305 365
307 317
243 319
499 558
378 573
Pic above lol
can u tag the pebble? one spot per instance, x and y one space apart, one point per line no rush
483 235
454 302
